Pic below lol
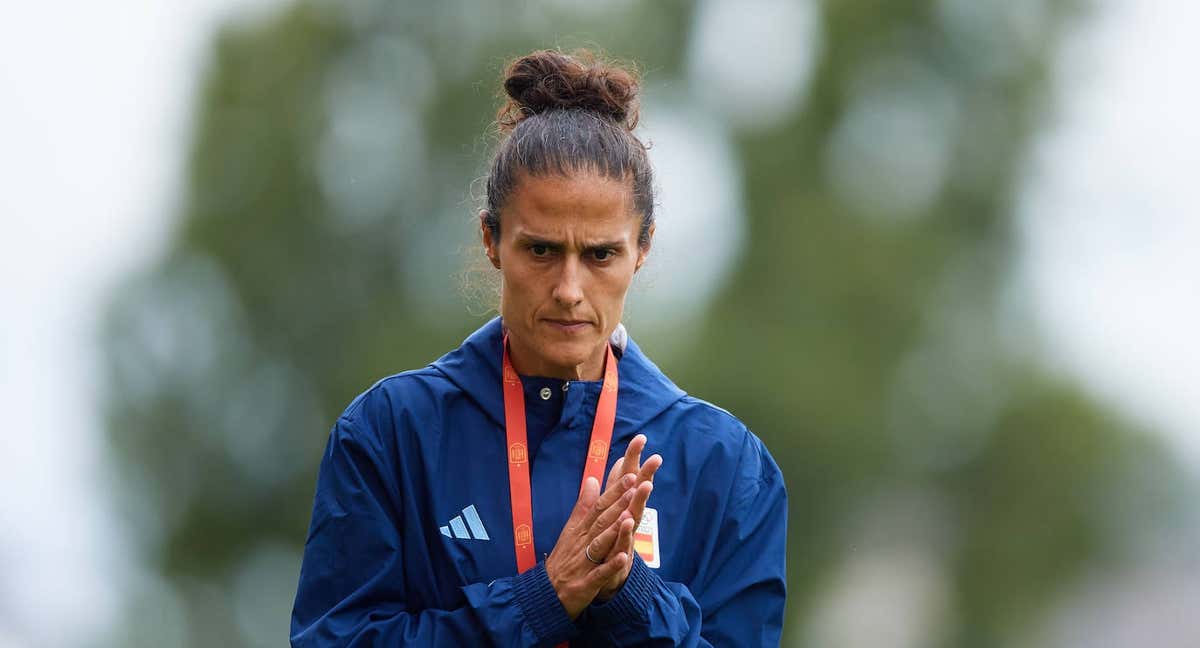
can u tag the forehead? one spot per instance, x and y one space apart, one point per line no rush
585 205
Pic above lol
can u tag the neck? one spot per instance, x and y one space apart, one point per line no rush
528 363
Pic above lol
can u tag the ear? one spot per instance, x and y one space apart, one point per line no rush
490 247
644 250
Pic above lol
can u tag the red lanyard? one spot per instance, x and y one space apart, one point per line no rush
518 452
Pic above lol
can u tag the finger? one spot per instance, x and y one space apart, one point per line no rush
649 468
588 494
633 454
606 499
637 505
605 572
628 463
615 473
623 538
601 545
612 513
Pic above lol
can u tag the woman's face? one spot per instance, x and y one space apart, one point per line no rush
567 253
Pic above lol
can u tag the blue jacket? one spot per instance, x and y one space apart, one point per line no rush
411 537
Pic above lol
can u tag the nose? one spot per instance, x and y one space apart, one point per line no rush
568 290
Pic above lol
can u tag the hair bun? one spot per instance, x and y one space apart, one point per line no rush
549 80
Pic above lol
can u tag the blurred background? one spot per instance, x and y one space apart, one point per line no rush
937 254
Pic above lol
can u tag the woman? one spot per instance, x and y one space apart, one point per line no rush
461 504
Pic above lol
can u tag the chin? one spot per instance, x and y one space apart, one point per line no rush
568 353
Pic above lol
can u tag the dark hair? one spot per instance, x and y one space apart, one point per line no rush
567 113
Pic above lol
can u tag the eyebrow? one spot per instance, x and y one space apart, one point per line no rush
531 239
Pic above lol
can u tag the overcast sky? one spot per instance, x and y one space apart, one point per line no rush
94 105
1111 216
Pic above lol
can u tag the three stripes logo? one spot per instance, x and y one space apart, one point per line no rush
457 529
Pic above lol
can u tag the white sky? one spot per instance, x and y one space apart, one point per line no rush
94 101
1111 216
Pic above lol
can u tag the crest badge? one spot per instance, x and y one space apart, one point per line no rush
524 535
598 450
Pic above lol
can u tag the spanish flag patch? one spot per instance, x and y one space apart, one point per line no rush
645 539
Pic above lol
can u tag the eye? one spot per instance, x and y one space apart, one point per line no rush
602 254
539 250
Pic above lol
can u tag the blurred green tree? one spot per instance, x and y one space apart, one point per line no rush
862 334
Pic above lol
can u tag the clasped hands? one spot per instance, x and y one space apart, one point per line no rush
601 528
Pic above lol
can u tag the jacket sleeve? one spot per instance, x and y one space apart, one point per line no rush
351 590
737 599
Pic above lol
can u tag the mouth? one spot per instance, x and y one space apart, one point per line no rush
567 325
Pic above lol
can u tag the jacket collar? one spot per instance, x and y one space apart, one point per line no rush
644 392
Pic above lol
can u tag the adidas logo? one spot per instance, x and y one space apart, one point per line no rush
458 530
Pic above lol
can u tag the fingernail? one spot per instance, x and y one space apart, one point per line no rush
628 480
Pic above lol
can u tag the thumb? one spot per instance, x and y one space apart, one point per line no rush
588 494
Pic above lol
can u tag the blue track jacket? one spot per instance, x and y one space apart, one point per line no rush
411 538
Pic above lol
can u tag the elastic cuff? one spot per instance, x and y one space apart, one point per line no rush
540 605
632 602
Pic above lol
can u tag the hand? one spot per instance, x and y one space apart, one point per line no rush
593 527
629 465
